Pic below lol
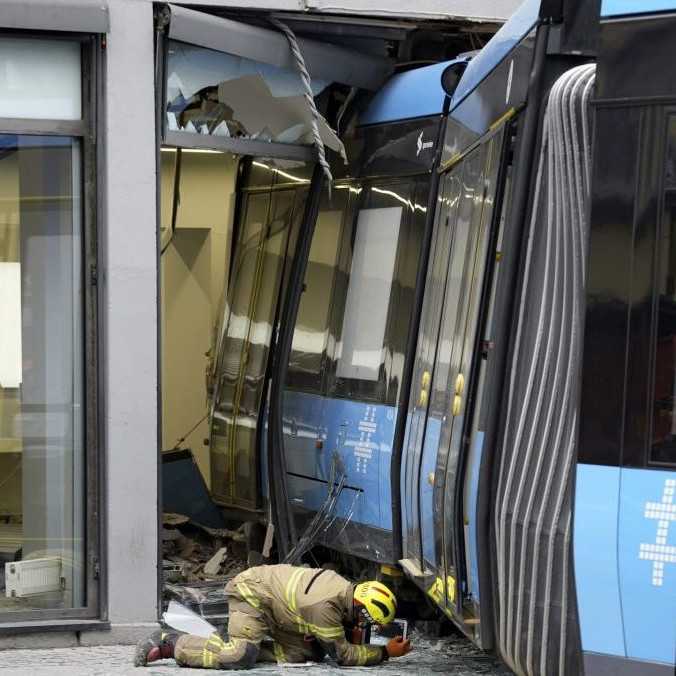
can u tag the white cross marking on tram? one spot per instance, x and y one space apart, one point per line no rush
664 513
363 449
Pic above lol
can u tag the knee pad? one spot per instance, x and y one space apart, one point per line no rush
245 660
250 655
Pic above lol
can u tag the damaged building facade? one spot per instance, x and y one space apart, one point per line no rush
133 136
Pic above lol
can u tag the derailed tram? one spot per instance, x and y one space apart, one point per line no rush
454 363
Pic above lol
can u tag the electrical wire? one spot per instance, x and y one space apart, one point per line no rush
189 432
325 516
176 198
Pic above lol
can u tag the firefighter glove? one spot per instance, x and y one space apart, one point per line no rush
398 647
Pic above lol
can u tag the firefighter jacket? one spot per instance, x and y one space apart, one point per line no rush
309 601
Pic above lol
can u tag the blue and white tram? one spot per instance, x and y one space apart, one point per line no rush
484 349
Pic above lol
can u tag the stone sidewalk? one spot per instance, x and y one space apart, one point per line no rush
450 655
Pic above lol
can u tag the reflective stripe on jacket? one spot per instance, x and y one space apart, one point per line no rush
310 601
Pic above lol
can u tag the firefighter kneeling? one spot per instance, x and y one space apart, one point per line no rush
306 612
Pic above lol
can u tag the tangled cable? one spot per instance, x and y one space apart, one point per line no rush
309 97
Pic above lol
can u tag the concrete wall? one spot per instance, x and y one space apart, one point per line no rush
130 315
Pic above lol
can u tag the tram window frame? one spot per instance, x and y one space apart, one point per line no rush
315 381
664 270
399 328
379 390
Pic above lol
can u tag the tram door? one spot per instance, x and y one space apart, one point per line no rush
267 229
449 333
419 458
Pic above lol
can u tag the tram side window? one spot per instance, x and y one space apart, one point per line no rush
368 294
366 309
663 447
311 333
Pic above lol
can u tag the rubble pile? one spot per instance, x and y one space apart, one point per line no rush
454 654
197 563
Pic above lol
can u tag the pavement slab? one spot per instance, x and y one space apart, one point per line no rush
449 655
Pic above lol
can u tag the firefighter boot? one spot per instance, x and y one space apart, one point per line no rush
158 646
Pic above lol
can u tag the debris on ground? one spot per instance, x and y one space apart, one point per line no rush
117 661
199 552
171 520
197 563
454 654
207 599
212 567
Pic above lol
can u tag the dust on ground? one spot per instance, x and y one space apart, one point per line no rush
452 655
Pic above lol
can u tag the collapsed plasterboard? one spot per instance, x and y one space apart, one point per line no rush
193 68
287 118
215 93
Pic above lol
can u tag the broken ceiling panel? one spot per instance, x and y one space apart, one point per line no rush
192 68
214 93
324 61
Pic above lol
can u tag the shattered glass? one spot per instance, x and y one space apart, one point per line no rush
219 94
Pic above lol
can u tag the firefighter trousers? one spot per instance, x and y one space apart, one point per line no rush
246 644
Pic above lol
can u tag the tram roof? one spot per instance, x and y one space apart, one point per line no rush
610 8
414 93
497 48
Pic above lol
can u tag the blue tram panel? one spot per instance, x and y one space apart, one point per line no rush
613 8
625 562
361 435
594 549
647 563
414 93
428 470
496 50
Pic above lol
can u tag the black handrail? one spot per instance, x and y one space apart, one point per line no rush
282 518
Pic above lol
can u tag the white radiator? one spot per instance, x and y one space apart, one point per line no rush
36 576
